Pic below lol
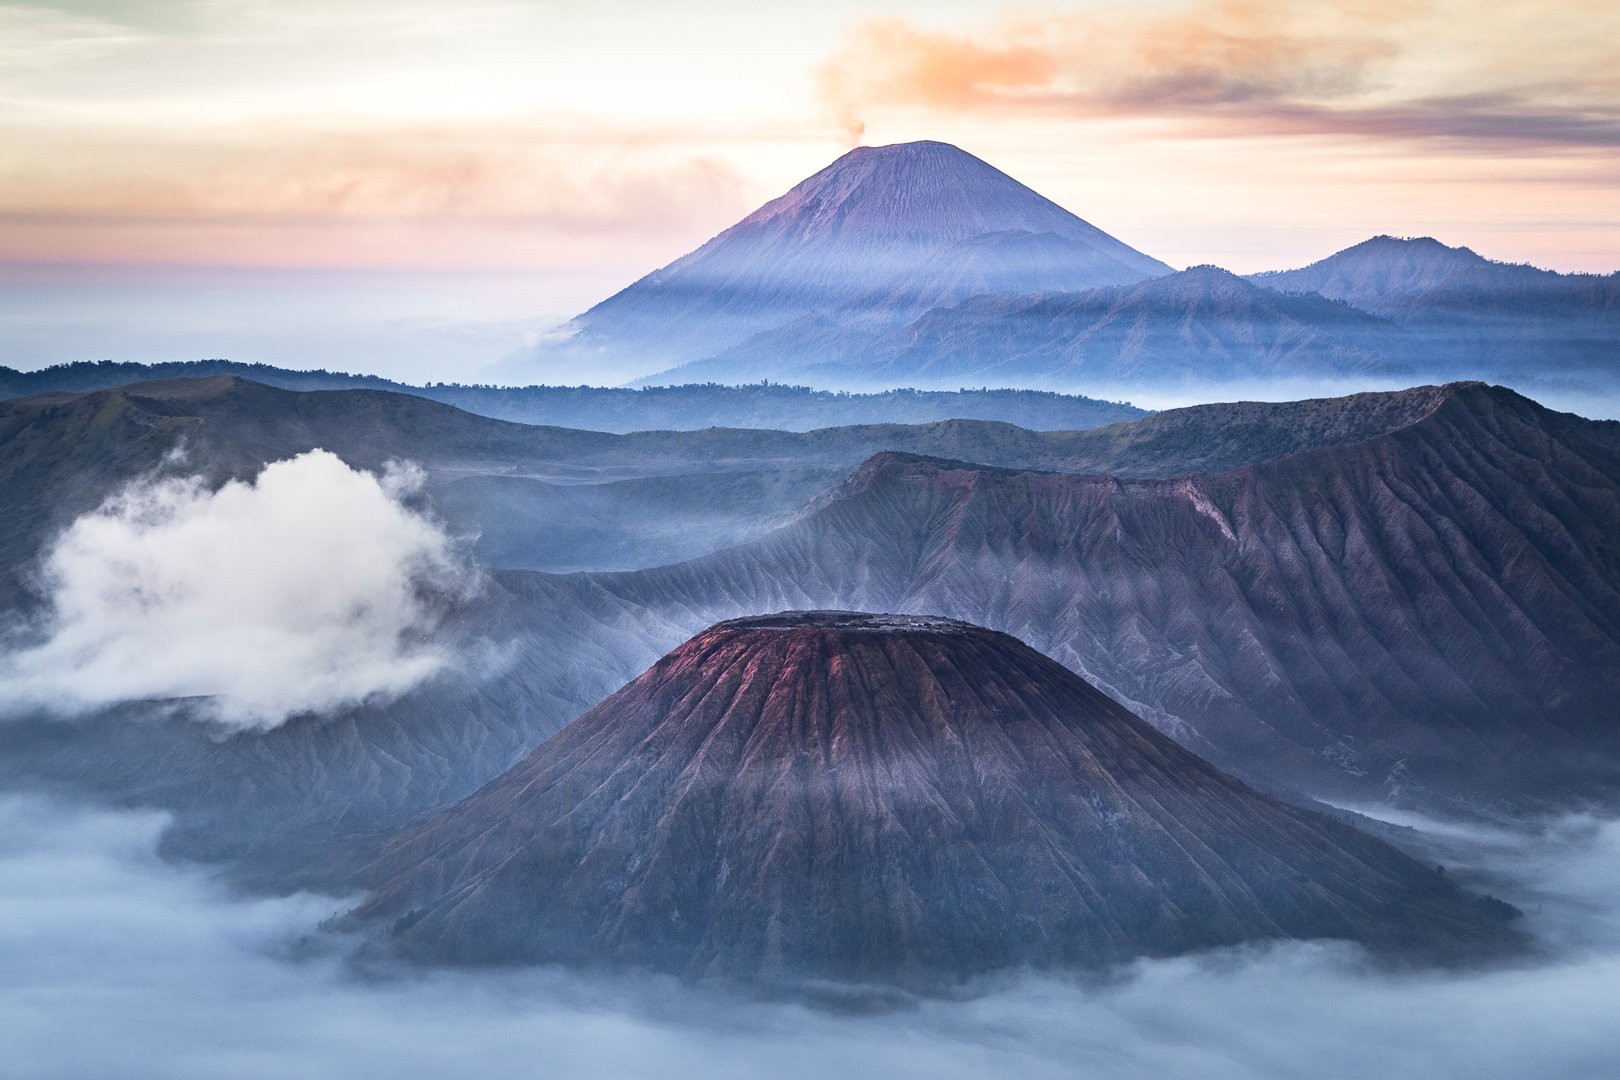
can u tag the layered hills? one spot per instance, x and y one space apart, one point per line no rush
1397 276
488 474
492 476
872 798
1383 310
690 407
1202 324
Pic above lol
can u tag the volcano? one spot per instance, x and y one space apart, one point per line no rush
872 240
883 799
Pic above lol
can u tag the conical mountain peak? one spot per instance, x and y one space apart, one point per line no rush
881 798
870 241
921 192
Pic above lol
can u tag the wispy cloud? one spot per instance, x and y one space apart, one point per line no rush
513 171
256 197
1433 69
36 39
502 135
350 133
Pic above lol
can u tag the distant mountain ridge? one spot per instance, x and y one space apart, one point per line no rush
621 410
1384 310
1389 275
1460 310
1202 323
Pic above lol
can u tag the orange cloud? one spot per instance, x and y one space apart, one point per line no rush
1425 68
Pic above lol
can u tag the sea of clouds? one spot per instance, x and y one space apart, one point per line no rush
119 964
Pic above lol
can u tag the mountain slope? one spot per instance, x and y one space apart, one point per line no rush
1465 313
881 799
879 235
1387 273
1377 310
1202 324
535 649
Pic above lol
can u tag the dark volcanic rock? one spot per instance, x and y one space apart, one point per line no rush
889 799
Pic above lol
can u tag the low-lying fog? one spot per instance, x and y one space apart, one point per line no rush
118 964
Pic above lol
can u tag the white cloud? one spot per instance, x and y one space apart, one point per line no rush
313 587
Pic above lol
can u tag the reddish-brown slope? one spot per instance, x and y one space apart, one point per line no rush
882 798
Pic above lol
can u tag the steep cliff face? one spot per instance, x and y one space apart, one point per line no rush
888 799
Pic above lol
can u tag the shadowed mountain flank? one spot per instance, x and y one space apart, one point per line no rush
883 799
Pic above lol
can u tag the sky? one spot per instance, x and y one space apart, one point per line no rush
422 185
